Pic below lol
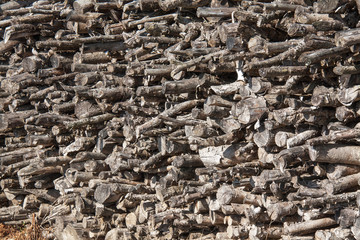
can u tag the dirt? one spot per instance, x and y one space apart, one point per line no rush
22 232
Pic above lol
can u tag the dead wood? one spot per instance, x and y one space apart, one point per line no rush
174 119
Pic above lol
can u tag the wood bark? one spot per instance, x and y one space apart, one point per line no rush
309 226
169 119
334 153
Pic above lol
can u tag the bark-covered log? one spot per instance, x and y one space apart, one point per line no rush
227 194
334 153
310 226
342 184
228 155
336 171
332 199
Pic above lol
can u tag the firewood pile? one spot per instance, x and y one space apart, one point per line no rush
178 119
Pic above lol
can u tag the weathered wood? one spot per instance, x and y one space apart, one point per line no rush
317 202
342 184
333 233
310 226
107 193
336 171
170 112
91 120
334 153
214 12
290 156
277 71
282 137
289 116
301 138
170 119
227 155
334 136
249 110
348 96
9 121
267 176
227 194
198 60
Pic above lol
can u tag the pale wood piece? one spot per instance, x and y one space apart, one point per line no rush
309 226
334 153
227 194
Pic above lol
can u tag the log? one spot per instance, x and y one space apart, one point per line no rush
249 110
267 176
108 193
227 155
316 202
227 194
301 138
334 232
334 153
349 95
310 226
336 171
170 112
214 12
168 5
334 136
342 184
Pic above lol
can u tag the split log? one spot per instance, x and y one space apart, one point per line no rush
288 157
108 193
249 110
349 95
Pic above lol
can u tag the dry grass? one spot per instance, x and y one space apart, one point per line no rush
27 232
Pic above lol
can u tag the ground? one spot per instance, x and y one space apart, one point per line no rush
23 232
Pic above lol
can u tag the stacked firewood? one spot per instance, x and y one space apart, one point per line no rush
178 119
